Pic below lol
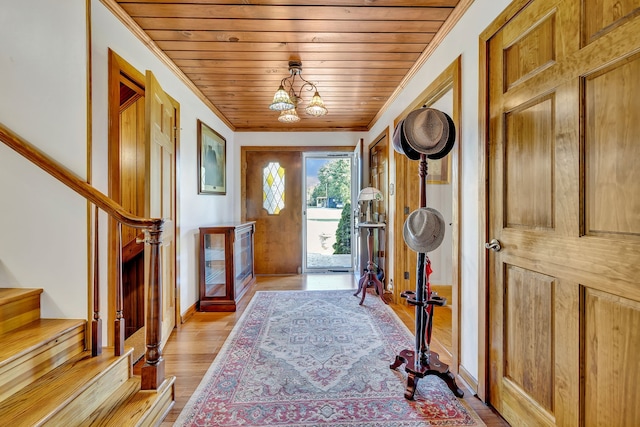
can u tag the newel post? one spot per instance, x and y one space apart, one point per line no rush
153 369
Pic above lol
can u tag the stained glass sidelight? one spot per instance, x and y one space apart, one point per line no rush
273 188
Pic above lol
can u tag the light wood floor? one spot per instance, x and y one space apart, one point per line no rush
191 349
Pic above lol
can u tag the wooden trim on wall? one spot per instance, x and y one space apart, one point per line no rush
91 231
471 382
189 312
483 192
483 224
449 79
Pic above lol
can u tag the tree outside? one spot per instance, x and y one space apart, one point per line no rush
334 186
343 232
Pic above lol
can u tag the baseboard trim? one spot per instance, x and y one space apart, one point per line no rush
191 311
470 381
444 291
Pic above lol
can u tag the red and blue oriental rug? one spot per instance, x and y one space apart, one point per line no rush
317 358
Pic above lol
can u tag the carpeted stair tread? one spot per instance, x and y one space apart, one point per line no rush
36 334
42 399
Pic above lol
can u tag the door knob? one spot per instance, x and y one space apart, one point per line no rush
494 245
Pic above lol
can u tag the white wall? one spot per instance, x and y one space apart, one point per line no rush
194 210
43 225
462 40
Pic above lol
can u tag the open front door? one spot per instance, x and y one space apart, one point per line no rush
161 113
357 238
564 186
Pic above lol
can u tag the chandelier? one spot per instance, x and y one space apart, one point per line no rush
286 99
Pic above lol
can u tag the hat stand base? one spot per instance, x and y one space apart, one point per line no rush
370 277
416 369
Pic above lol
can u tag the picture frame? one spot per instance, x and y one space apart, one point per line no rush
438 170
212 161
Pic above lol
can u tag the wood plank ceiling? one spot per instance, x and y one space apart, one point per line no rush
357 52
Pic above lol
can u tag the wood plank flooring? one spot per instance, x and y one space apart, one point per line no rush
191 348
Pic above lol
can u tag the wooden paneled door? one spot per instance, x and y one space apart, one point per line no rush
161 127
564 204
278 235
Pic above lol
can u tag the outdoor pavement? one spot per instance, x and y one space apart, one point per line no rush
322 224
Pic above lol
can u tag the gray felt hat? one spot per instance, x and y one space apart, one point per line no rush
400 143
424 230
429 131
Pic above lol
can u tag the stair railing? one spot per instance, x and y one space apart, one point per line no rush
153 369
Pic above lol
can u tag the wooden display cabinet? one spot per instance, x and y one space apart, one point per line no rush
226 264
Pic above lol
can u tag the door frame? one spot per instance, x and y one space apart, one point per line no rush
449 79
483 193
387 203
120 67
327 155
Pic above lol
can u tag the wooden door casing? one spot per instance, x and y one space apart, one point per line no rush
448 83
127 174
379 178
563 200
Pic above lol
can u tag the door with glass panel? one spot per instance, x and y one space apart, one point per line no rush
273 187
327 212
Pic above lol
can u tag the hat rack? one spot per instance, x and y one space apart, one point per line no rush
421 361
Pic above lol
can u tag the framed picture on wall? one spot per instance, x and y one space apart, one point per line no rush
212 161
438 170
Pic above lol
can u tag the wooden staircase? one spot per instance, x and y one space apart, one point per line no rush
47 378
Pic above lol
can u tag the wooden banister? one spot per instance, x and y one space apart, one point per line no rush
71 180
153 370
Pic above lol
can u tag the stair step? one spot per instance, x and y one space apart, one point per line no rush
18 306
31 351
140 408
68 393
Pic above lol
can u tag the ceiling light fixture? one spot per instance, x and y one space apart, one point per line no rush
290 115
286 99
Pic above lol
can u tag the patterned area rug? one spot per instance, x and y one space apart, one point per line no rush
317 358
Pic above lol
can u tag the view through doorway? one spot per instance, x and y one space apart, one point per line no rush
327 212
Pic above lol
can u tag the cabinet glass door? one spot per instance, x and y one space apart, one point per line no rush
214 265
243 258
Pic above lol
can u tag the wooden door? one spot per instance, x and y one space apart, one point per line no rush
127 176
131 166
278 235
564 203
161 116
